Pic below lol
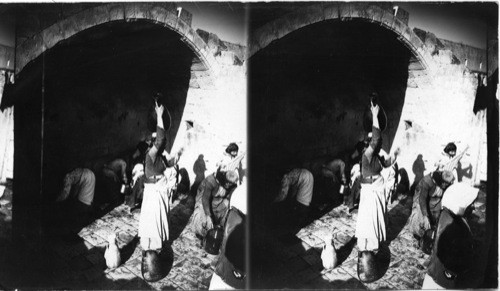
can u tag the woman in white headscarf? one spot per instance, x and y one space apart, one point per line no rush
452 254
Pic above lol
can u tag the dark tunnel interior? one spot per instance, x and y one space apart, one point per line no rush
310 89
97 100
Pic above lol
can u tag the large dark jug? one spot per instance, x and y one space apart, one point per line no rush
368 119
151 266
427 241
367 267
213 240
167 117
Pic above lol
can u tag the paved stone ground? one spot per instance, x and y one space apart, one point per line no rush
293 260
191 266
78 263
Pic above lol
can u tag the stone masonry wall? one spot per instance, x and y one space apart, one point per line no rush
216 97
438 111
218 116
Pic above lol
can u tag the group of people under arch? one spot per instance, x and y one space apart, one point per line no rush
149 181
368 178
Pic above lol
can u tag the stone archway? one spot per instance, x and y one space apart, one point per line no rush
279 28
167 16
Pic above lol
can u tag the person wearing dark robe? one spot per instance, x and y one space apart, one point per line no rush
114 174
212 202
452 260
230 271
427 202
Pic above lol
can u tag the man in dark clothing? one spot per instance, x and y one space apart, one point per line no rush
452 260
212 201
427 201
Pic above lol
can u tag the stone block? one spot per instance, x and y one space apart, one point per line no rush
186 16
101 14
253 47
360 10
122 273
403 15
87 19
337 274
375 12
51 36
116 11
387 19
190 34
31 49
68 27
331 10
94 239
315 13
198 42
130 10
157 12
300 19
406 33
170 7
198 65
416 41
344 10
398 26
182 27
264 36
284 25
143 11
170 20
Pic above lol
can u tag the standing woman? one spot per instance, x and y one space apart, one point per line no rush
153 221
370 226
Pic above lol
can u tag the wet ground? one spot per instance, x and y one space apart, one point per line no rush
292 261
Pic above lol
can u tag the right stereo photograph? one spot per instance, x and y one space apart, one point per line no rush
373 142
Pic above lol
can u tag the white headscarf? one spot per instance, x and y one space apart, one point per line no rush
239 198
458 197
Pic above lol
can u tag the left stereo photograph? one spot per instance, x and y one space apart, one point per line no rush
124 127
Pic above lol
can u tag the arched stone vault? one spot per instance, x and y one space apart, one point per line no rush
202 68
291 22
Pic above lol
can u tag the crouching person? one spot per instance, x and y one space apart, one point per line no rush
114 174
427 203
452 261
296 192
74 203
230 270
212 202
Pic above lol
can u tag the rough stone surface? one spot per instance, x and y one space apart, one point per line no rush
45 37
404 264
